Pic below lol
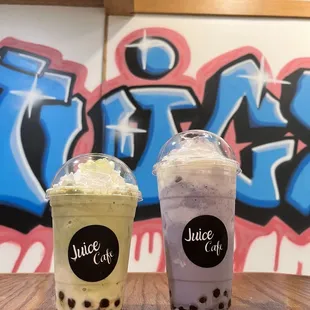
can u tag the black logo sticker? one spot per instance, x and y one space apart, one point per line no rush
205 241
93 253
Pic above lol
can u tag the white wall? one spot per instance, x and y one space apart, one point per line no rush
279 40
78 33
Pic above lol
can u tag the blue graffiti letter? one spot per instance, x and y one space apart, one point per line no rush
23 83
262 191
298 189
61 124
239 82
161 101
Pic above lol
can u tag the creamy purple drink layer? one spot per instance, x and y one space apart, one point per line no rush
197 190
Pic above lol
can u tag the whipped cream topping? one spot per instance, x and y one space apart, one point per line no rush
97 177
197 149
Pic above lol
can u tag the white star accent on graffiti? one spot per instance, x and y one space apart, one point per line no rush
144 45
32 96
125 131
261 78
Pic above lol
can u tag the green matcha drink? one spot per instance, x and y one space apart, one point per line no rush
94 199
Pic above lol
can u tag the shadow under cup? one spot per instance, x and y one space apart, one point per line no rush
92 235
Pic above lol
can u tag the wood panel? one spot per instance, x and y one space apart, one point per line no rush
147 291
278 8
119 7
273 8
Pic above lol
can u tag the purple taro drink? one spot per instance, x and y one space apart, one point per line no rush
197 188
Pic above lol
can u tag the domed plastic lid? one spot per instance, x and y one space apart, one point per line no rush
197 146
94 174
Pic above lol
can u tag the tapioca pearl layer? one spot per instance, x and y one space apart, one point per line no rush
89 297
103 304
218 298
220 306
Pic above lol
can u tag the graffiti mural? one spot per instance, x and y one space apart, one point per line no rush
47 116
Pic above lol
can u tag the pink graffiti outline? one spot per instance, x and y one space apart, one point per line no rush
176 77
39 234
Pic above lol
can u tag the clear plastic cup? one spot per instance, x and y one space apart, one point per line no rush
92 224
196 174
